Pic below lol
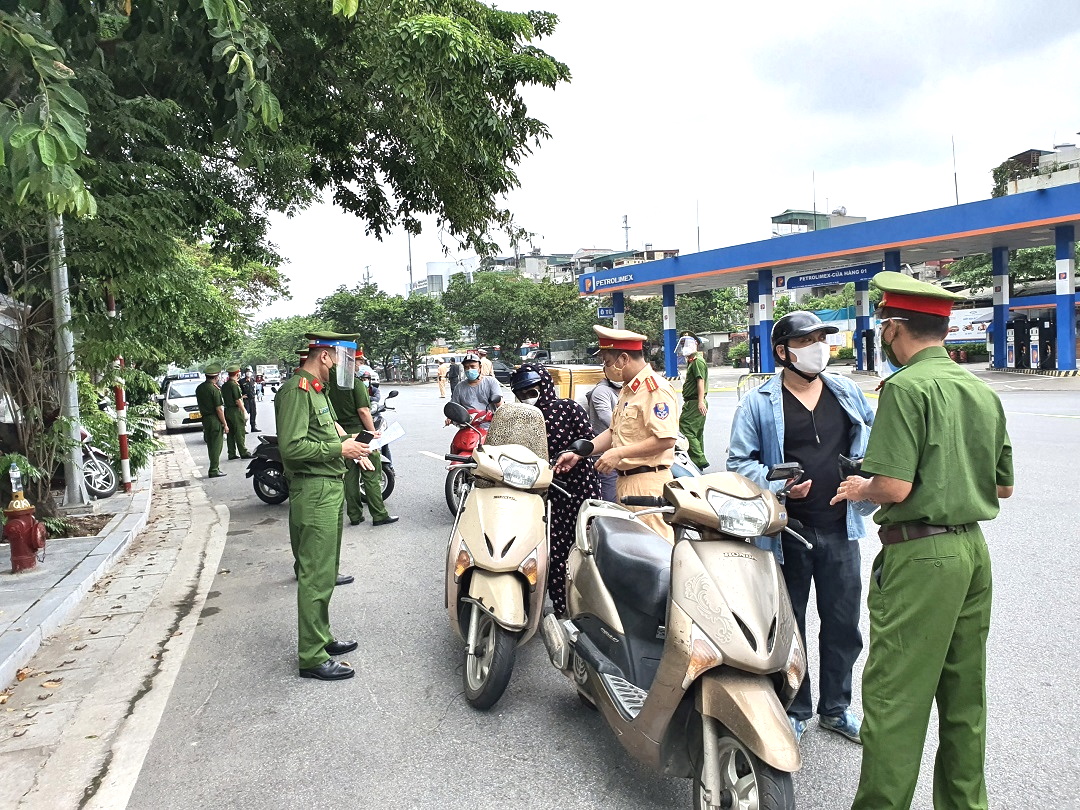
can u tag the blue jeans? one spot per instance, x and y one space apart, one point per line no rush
835 568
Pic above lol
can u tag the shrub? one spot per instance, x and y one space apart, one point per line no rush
845 354
737 352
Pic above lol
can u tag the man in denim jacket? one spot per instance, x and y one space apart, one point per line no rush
805 415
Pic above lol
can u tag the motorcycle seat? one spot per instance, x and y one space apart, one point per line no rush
635 564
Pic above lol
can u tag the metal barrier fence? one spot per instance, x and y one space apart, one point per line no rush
749 382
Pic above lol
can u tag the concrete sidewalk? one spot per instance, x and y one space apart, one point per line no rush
34 604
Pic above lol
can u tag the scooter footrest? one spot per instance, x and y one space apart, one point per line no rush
628 697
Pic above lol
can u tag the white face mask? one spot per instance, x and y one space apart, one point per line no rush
811 359
529 400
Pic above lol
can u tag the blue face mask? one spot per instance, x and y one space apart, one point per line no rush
472 374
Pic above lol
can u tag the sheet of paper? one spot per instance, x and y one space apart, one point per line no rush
393 432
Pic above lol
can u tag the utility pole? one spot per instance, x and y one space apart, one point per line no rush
626 228
955 182
408 236
75 492
697 206
367 273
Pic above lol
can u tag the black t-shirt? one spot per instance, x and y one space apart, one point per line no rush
453 374
816 439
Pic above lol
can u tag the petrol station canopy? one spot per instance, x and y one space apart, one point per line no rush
1016 221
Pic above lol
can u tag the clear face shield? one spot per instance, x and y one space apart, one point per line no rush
344 354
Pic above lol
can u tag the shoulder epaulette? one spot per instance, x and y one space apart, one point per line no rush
651 384
302 384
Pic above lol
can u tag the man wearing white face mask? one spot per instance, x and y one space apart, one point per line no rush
803 414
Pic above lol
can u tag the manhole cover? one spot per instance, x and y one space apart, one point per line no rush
175 484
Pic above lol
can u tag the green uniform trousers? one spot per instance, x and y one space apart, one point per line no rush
929 618
372 484
213 433
315 533
237 433
692 425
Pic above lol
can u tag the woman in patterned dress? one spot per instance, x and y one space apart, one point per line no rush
566 423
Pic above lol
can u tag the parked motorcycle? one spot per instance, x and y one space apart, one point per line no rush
691 653
268 473
470 435
497 554
99 475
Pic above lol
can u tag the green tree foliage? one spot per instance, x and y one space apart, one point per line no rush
1027 264
832 301
387 324
413 106
508 310
276 341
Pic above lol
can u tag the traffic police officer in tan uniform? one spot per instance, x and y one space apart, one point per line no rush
640 444
941 461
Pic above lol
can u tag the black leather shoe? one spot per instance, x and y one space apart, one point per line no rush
218 474
340 647
329 670
345 579
386 520
356 522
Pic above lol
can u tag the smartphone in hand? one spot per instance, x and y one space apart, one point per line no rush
365 437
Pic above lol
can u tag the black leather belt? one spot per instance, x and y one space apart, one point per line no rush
901 532
316 475
637 470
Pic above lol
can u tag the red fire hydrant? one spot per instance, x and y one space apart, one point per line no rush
24 533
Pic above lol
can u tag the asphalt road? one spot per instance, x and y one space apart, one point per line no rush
242 730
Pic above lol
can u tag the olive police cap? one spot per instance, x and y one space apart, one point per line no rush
212 370
621 339
233 369
905 292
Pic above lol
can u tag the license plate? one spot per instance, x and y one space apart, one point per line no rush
194 415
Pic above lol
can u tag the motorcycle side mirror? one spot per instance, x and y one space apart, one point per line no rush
458 414
782 472
393 394
582 447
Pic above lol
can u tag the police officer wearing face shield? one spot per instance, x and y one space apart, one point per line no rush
806 415
314 449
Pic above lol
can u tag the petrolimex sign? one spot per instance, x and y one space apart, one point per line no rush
839 275
591 285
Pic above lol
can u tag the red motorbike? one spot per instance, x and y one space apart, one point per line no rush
459 477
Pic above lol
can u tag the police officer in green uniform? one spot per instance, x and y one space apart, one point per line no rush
940 460
314 449
235 415
214 425
352 404
695 407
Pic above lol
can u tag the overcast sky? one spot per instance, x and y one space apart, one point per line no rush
734 108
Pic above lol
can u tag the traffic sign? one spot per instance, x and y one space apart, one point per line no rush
605 312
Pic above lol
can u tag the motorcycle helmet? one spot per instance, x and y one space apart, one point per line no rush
524 379
796 325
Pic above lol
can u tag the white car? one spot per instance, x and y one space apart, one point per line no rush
180 406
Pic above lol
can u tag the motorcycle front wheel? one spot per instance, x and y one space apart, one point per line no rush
747 783
270 486
487 672
388 480
458 481
99 476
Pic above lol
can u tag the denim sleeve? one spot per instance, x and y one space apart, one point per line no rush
745 453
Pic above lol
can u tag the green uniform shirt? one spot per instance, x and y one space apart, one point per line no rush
307 438
209 398
346 401
230 392
942 429
696 370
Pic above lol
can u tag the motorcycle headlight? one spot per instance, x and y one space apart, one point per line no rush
738 517
516 474
795 667
174 409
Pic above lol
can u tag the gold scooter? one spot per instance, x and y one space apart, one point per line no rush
691 653
497 554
